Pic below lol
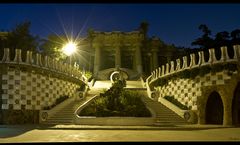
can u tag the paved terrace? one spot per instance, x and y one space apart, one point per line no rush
85 133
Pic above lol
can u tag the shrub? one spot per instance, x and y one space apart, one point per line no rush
21 116
117 102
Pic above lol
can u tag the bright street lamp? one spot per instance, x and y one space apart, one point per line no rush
69 49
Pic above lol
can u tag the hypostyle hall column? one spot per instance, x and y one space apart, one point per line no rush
97 59
138 59
117 56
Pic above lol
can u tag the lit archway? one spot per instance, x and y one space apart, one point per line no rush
214 109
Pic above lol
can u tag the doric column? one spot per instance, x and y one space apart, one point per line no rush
117 56
97 59
155 59
138 59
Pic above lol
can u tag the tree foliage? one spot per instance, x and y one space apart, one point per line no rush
52 46
21 38
223 38
205 41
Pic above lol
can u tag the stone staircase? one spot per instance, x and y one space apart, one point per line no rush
66 115
164 116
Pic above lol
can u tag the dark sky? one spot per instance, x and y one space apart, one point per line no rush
172 23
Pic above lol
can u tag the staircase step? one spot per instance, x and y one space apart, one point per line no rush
163 114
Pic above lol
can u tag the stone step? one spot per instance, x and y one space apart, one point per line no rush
60 120
67 123
163 114
66 115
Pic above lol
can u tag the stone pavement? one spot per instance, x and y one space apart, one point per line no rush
85 133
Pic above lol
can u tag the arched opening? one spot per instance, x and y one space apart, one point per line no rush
236 106
214 109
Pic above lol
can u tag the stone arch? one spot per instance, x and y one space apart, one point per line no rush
236 106
214 109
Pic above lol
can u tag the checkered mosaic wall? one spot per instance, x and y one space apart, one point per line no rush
32 91
187 91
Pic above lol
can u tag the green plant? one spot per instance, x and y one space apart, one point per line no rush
21 116
117 102
81 88
88 74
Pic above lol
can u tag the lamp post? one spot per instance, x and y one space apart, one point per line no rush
69 49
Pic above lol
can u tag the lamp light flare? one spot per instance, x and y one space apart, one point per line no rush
69 48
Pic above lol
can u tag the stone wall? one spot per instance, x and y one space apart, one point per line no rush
191 81
31 90
30 85
187 91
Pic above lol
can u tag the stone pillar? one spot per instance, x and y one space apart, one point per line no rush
97 59
178 64
184 62
138 59
236 49
18 55
224 56
39 59
201 58
172 67
155 59
167 68
212 56
163 70
192 62
46 64
6 57
159 71
117 56
29 57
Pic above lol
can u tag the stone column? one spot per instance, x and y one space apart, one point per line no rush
97 59
138 59
117 56
155 59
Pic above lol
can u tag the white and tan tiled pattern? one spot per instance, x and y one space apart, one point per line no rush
187 91
29 90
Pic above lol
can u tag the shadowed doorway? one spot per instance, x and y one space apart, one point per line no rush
214 109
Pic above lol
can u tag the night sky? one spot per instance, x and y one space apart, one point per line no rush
173 23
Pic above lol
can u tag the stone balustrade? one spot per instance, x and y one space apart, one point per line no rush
169 69
45 62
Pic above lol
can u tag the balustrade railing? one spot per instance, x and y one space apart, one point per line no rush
169 69
42 62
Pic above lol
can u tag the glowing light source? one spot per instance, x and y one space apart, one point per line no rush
69 48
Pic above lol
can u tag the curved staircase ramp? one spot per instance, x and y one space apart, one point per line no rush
66 114
163 114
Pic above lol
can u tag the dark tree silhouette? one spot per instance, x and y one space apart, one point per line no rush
222 39
205 41
235 34
20 38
